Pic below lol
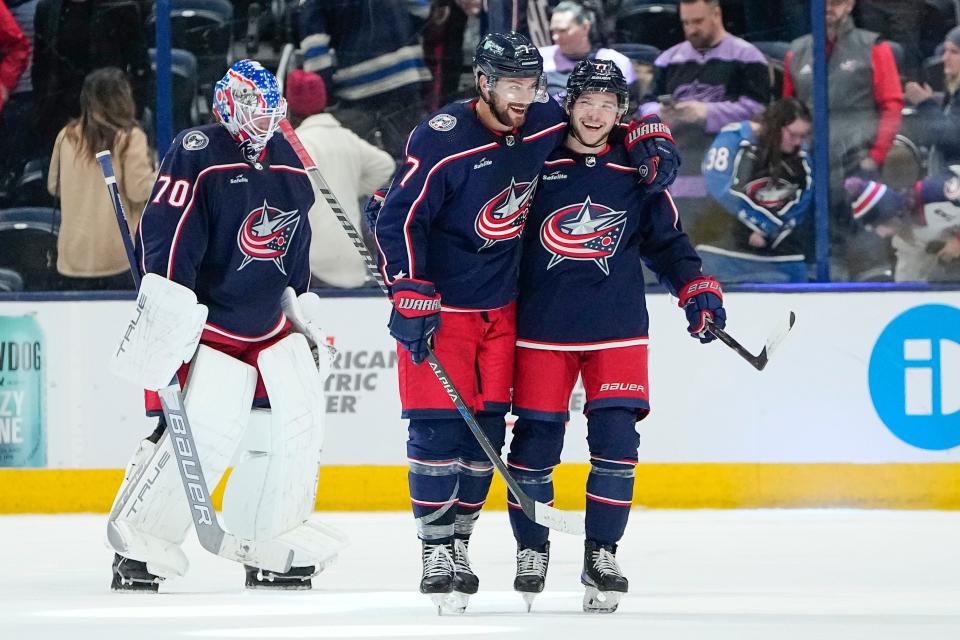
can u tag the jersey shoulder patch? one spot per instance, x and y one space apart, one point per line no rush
195 140
442 122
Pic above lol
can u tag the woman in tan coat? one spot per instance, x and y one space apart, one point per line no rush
90 251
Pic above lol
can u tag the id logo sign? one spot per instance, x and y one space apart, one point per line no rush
914 376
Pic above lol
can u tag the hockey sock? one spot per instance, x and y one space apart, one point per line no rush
433 463
613 441
534 452
476 471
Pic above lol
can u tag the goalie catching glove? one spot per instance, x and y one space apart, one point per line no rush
162 333
415 316
653 152
702 301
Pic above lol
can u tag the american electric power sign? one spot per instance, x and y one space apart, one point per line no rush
914 376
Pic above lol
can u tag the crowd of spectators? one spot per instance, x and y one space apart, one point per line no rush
733 78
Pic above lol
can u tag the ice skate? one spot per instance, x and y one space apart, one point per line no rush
465 581
438 573
531 572
132 576
297 579
601 576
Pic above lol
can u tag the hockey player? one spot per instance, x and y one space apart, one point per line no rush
448 237
223 244
923 223
581 311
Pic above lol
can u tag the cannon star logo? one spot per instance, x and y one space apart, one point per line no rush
266 234
583 231
503 216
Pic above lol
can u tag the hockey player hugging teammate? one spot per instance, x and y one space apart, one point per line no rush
449 242
223 244
581 312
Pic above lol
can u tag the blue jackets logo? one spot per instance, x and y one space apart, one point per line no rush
503 216
583 231
914 377
266 234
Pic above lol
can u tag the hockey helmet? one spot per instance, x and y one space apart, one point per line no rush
249 103
597 76
509 55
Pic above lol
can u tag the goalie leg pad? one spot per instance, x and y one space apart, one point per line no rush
273 487
155 518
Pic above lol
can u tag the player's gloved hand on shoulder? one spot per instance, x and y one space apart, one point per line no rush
653 152
415 316
702 300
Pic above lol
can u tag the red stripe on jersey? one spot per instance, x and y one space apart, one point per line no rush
548 130
186 212
551 163
420 197
620 167
673 205
244 339
611 501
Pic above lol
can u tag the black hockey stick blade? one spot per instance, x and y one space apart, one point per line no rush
759 361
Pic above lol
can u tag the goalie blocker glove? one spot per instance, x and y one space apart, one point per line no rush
702 300
652 150
415 316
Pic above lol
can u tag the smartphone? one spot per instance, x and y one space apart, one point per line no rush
666 100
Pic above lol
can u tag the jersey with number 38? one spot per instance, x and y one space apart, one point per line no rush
233 231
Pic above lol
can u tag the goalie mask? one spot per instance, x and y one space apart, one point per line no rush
247 101
502 56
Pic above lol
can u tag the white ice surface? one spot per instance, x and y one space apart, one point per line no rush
715 575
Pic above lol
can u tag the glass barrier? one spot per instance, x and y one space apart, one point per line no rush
736 80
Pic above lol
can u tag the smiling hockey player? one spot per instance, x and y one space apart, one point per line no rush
449 243
223 244
582 311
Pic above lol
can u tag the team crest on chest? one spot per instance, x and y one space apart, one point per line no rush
266 234
503 216
583 231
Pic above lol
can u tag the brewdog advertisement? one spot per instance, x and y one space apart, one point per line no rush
22 429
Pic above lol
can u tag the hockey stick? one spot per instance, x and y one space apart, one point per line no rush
542 514
760 360
212 537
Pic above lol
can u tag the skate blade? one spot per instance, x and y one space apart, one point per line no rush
456 602
595 601
528 598
438 599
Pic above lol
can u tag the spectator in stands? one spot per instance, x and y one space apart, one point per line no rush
14 53
571 27
91 254
864 92
371 59
711 79
758 176
14 58
74 37
351 166
940 115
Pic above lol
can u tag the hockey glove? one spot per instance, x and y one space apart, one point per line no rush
371 210
702 301
653 152
415 316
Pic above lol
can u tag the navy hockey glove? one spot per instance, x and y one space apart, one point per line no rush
371 210
415 316
653 152
702 299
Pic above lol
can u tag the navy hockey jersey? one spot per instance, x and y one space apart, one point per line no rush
235 233
456 210
581 282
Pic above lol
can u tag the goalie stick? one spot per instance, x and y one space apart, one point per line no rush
760 360
539 512
266 555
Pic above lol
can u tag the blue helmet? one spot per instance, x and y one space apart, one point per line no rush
249 103
600 76
509 55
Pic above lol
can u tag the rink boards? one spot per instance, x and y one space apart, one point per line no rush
859 407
